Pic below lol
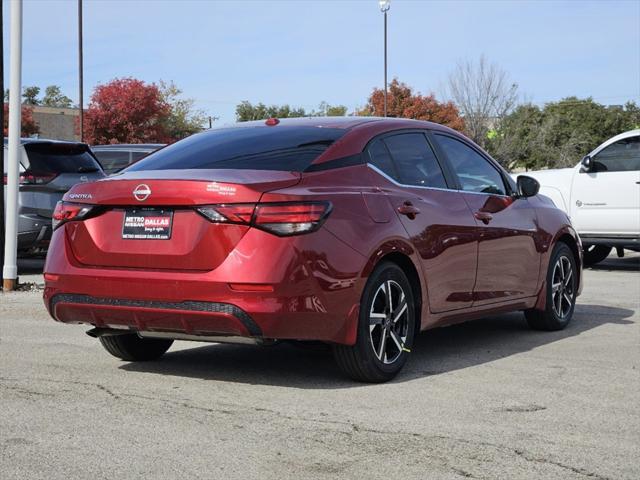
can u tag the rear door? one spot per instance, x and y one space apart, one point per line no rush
606 201
50 170
508 260
434 215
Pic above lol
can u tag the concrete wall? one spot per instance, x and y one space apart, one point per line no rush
56 123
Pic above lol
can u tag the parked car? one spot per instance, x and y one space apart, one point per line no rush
601 195
117 157
358 232
48 168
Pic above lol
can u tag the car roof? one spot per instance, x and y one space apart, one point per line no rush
26 140
330 122
129 146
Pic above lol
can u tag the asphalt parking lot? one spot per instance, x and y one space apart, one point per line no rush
488 399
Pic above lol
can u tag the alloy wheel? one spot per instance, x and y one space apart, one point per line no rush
562 287
389 322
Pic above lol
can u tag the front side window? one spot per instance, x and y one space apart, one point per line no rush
415 161
622 156
474 171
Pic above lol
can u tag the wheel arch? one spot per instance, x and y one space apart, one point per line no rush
571 242
407 265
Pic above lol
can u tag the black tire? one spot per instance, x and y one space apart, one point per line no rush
132 348
560 286
593 254
364 362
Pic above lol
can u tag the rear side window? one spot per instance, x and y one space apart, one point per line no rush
379 157
111 160
256 148
622 156
135 156
415 161
474 171
59 158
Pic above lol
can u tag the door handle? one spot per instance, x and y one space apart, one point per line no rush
484 217
409 210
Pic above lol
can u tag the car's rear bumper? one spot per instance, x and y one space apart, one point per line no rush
313 295
191 318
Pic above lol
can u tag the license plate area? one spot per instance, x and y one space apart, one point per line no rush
147 224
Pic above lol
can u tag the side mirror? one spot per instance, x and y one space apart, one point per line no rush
527 186
586 163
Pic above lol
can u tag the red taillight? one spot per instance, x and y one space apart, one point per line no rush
36 179
286 218
290 218
31 179
28 178
66 212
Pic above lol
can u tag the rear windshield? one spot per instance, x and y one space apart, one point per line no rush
60 158
256 148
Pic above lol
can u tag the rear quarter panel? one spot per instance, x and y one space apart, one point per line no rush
362 220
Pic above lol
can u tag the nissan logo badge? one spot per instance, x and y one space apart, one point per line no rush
142 192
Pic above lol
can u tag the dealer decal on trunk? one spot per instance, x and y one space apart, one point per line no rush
147 224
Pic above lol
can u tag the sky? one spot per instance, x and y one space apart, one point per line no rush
303 52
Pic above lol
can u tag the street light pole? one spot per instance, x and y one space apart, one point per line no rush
384 8
80 71
10 268
2 149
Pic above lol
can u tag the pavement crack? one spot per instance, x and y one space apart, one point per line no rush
578 470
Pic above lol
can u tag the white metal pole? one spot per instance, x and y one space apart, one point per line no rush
10 270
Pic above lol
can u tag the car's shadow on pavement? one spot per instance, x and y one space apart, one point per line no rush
630 262
435 352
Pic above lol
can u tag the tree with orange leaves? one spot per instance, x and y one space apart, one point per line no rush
29 126
402 102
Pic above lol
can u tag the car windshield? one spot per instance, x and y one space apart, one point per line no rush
256 148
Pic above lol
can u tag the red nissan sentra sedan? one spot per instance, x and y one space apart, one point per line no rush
358 232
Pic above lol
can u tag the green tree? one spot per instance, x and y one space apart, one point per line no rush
53 97
30 95
326 110
246 111
560 133
183 119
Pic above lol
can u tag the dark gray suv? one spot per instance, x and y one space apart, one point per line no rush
48 168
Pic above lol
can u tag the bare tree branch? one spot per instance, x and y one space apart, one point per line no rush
484 95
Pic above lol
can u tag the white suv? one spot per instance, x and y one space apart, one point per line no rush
601 195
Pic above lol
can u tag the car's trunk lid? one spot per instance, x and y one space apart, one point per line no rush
165 198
